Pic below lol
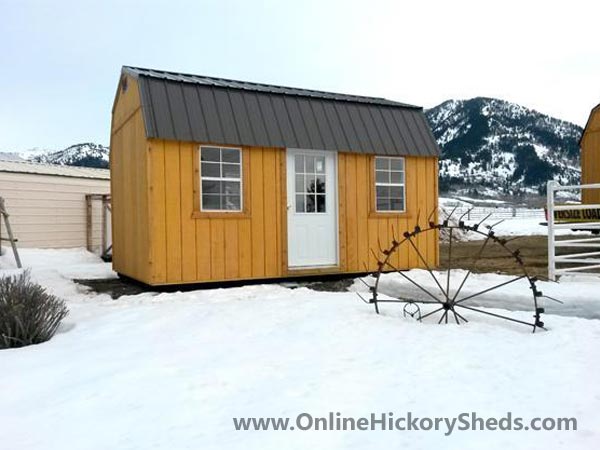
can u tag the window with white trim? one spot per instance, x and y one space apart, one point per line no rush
221 179
389 184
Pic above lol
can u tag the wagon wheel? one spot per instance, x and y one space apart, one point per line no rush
447 299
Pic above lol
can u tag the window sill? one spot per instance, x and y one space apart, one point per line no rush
220 215
389 215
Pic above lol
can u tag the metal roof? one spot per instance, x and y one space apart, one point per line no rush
196 108
53 169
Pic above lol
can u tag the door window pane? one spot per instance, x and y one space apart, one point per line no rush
321 184
310 203
299 183
310 184
321 203
300 204
310 164
320 164
299 163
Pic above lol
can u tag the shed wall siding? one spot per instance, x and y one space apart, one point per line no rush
50 211
363 232
129 188
187 249
590 158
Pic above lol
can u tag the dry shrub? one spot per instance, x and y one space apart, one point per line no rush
28 314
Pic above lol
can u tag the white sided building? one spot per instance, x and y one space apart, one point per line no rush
53 206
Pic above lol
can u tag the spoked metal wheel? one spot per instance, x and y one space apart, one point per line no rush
445 295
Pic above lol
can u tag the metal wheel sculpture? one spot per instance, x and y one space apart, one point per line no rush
446 300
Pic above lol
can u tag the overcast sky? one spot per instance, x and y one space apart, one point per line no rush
60 60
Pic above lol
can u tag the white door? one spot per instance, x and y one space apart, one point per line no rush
312 208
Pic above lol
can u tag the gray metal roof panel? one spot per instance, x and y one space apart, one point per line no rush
291 104
241 117
195 115
325 130
395 133
384 134
211 115
334 123
226 115
308 117
179 114
256 120
403 124
283 119
161 110
178 109
361 132
270 120
260 87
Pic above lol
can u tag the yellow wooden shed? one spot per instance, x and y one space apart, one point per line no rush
220 180
590 157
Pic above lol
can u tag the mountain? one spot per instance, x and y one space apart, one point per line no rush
495 148
11 156
86 154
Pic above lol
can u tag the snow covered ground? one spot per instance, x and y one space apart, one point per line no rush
525 226
171 370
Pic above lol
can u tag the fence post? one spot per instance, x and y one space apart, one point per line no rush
551 186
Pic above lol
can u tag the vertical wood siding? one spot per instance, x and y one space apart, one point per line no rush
129 187
363 232
590 158
191 249
187 248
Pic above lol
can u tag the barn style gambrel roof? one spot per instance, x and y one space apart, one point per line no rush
203 109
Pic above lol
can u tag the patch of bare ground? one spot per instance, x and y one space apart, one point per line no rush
495 258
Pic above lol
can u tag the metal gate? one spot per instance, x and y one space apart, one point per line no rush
576 217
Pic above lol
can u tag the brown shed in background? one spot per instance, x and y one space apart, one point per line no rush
590 157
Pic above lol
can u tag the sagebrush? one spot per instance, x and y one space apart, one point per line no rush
28 314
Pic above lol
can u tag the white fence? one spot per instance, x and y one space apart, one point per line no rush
478 212
576 261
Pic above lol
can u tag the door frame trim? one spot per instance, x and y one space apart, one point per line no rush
315 269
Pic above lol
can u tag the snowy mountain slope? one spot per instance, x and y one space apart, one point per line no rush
87 154
11 156
497 147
